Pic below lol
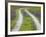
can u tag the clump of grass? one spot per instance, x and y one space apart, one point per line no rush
27 24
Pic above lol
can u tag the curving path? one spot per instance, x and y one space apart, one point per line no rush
20 20
36 21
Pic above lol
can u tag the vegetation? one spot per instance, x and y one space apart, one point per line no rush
28 23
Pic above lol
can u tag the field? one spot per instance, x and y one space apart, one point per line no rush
28 23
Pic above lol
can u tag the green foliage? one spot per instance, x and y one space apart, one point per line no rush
28 24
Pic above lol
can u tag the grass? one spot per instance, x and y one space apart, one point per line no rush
28 24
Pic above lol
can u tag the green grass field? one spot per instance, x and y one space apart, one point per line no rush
28 23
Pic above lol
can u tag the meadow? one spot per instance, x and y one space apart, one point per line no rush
28 24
